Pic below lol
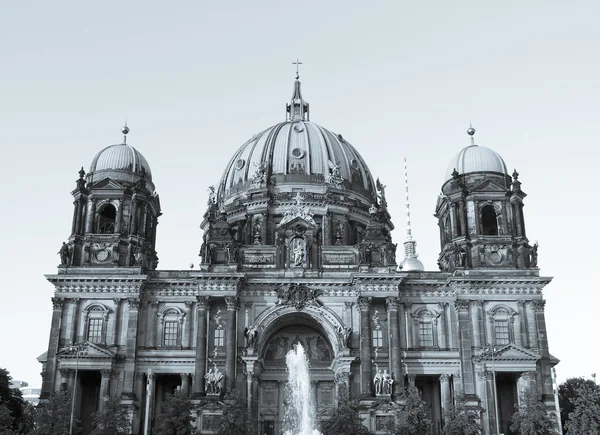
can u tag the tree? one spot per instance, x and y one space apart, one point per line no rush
54 416
176 416
585 417
568 392
6 421
531 417
461 419
345 420
12 400
236 419
411 418
112 420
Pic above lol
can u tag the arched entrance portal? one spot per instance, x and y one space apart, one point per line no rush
280 335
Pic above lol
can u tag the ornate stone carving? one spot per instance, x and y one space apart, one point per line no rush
299 296
391 304
251 335
342 378
134 304
483 375
444 377
442 305
363 303
477 303
202 302
538 305
57 303
297 210
214 381
106 373
461 304
345 333
232 302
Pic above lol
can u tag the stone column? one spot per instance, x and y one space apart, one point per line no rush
139 393
394 331
465 346
449 327
250 361
476 321
230 342
263 229
516 327
152 322
443 326
445 394
185 384
79 216
402 325
457 384
364 305
134 220
522 323
51 364
89 218
74 320
185 329
131 347
485 393
117 326
545 368
463 219
104 387
74 225
453 220
411 379
410 344
531 327
119 219
202 305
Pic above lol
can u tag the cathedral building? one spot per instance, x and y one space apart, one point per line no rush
297 248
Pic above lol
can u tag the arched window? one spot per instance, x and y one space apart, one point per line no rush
502 326
171 320
96 318
489 222
106 219
426 328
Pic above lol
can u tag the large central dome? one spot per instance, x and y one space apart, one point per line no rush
300 153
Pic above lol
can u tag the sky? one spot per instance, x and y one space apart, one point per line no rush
196 79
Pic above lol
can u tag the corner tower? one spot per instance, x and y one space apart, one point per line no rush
115 213
480 213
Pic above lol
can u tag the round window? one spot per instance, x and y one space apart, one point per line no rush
239 164
354 163
298 128
298 153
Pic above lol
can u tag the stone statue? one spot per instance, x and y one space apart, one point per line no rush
461 256
298 255
377 382
212 196
534 255
251 334
65 255
387 382
381 193
260 175
345 333
214 381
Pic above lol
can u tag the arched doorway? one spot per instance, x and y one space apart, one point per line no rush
280 336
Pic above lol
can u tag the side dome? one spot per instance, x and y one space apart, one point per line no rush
298 152
475 158
412 264
122 163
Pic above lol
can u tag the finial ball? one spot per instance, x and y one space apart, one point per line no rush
470 131
125 129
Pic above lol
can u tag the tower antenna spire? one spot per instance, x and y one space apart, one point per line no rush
410 263
471 132
125 130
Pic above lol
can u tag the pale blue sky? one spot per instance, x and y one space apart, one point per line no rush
196 79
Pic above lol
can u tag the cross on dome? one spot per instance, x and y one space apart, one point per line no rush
297 63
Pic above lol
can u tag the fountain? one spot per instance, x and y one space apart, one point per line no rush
300 413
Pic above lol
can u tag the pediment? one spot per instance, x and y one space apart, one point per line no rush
510 353
305 221
489 185
269 412
88 351
108 184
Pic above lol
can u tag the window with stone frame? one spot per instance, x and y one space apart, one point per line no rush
107 217
96 319
425 324
501 319
171 320
94 332
219 336
377 337
489 221
171 333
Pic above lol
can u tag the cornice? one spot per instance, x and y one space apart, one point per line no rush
87 284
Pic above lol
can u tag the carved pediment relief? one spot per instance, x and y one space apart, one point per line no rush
489 185
108 184
87 350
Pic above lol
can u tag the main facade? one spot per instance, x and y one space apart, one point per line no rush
297 249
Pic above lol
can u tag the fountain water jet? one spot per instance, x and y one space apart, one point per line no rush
300 414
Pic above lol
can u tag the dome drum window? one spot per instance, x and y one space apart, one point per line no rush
298 153
107 217
239 164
